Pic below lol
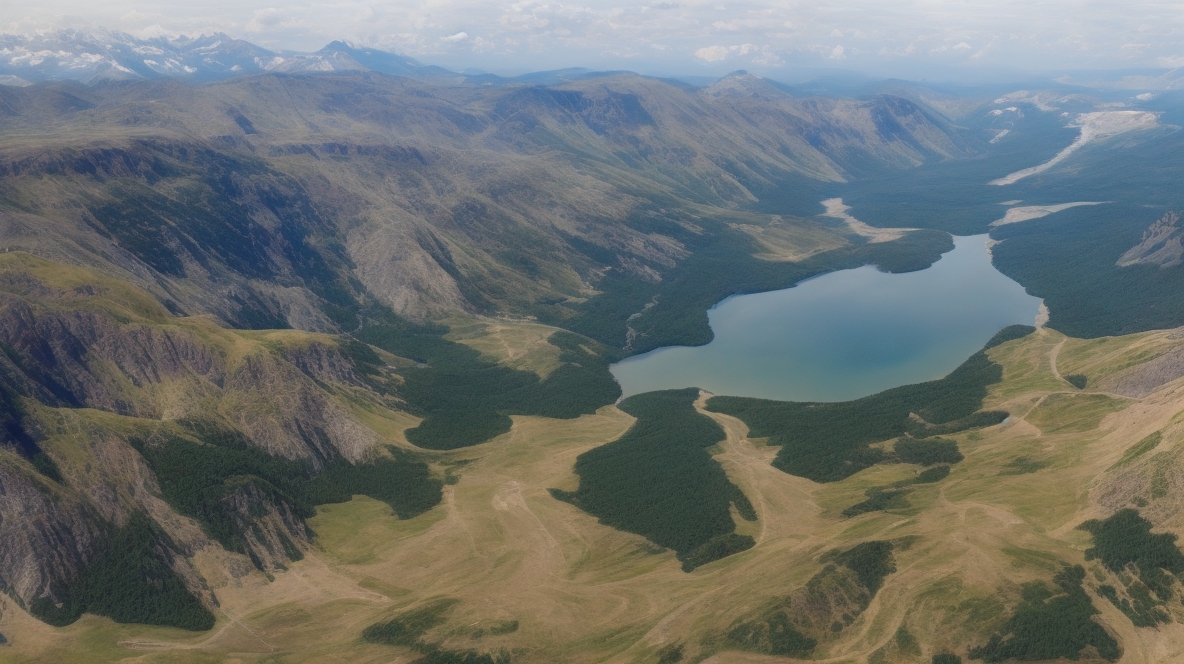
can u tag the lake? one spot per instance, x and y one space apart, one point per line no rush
844 334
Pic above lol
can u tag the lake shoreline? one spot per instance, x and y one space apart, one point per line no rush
843 334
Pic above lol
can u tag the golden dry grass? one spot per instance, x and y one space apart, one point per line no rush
583 592
516 344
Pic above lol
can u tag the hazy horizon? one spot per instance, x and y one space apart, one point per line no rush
919 39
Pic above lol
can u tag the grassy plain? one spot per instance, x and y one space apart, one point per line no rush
506 551
515 344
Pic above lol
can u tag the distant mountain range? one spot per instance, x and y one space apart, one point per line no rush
92 57
71 55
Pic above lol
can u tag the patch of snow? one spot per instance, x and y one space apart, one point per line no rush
34 58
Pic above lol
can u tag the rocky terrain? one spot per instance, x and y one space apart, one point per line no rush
1160 246
94 371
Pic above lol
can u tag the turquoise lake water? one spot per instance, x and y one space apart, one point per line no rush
845 334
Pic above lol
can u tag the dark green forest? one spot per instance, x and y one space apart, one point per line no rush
659 481
872 562
773 634
1051 622
14 432
408 630
878 500
1126 539
1124 542
1069 259
894 497
827 442
130 580
466 400
196 478
928 451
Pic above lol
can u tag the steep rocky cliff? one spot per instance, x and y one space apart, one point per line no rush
124 423
1161 244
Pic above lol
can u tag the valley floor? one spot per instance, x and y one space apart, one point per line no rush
539 580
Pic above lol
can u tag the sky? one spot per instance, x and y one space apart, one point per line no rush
686 37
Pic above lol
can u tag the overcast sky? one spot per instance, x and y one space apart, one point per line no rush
894 37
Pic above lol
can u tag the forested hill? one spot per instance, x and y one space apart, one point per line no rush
288 200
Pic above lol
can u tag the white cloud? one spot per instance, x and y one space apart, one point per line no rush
712 53
265 19
458 37
838 52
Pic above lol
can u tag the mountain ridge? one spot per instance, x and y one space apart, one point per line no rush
118 56
340 187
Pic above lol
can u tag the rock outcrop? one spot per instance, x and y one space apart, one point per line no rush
92 370
1161 244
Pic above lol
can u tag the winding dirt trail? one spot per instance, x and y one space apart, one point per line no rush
172 645
1052 360
785 505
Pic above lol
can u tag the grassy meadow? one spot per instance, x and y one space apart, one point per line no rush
508 573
